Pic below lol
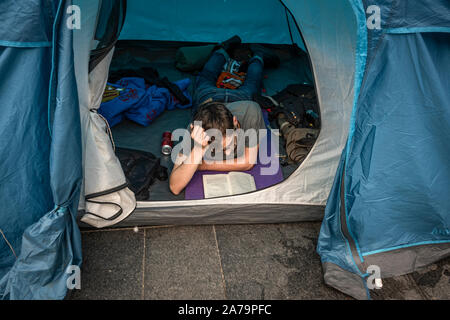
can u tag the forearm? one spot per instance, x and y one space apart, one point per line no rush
183 172
181 176
223 166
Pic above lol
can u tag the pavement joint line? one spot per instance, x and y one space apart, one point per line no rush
143 266
220 264
422 293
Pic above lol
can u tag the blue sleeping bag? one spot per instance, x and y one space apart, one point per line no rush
141 103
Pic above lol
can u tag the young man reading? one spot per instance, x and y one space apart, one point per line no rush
227 111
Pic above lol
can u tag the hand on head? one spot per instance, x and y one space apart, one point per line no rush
199 136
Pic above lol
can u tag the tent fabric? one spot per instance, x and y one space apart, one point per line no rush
105 198
333 62
413 14
294 30
36 32
21 172
391 190
108 200
255 21
42 168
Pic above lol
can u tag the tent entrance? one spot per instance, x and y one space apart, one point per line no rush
160 55
150 37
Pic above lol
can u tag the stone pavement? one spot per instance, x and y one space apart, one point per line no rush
237 262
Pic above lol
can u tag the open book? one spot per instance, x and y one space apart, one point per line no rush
220 185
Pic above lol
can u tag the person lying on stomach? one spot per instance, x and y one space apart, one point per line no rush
224 109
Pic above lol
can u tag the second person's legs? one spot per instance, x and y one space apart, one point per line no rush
205 85
253 79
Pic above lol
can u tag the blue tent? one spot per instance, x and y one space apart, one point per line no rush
389 206
40 168
380 164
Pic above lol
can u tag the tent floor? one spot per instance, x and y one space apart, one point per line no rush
294 68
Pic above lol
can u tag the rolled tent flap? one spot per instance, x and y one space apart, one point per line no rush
108 198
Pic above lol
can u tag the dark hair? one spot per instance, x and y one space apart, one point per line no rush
214 115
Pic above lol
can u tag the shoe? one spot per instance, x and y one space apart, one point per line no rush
271 59
242 53
231 44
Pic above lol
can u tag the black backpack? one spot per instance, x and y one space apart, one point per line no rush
298 102
141 169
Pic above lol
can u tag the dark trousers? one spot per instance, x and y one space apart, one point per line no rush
205 86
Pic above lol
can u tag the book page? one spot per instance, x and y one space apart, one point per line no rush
216 185
241 182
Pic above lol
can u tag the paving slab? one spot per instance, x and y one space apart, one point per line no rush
434 280
182 263
273 262
429 283
112 266
397 288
